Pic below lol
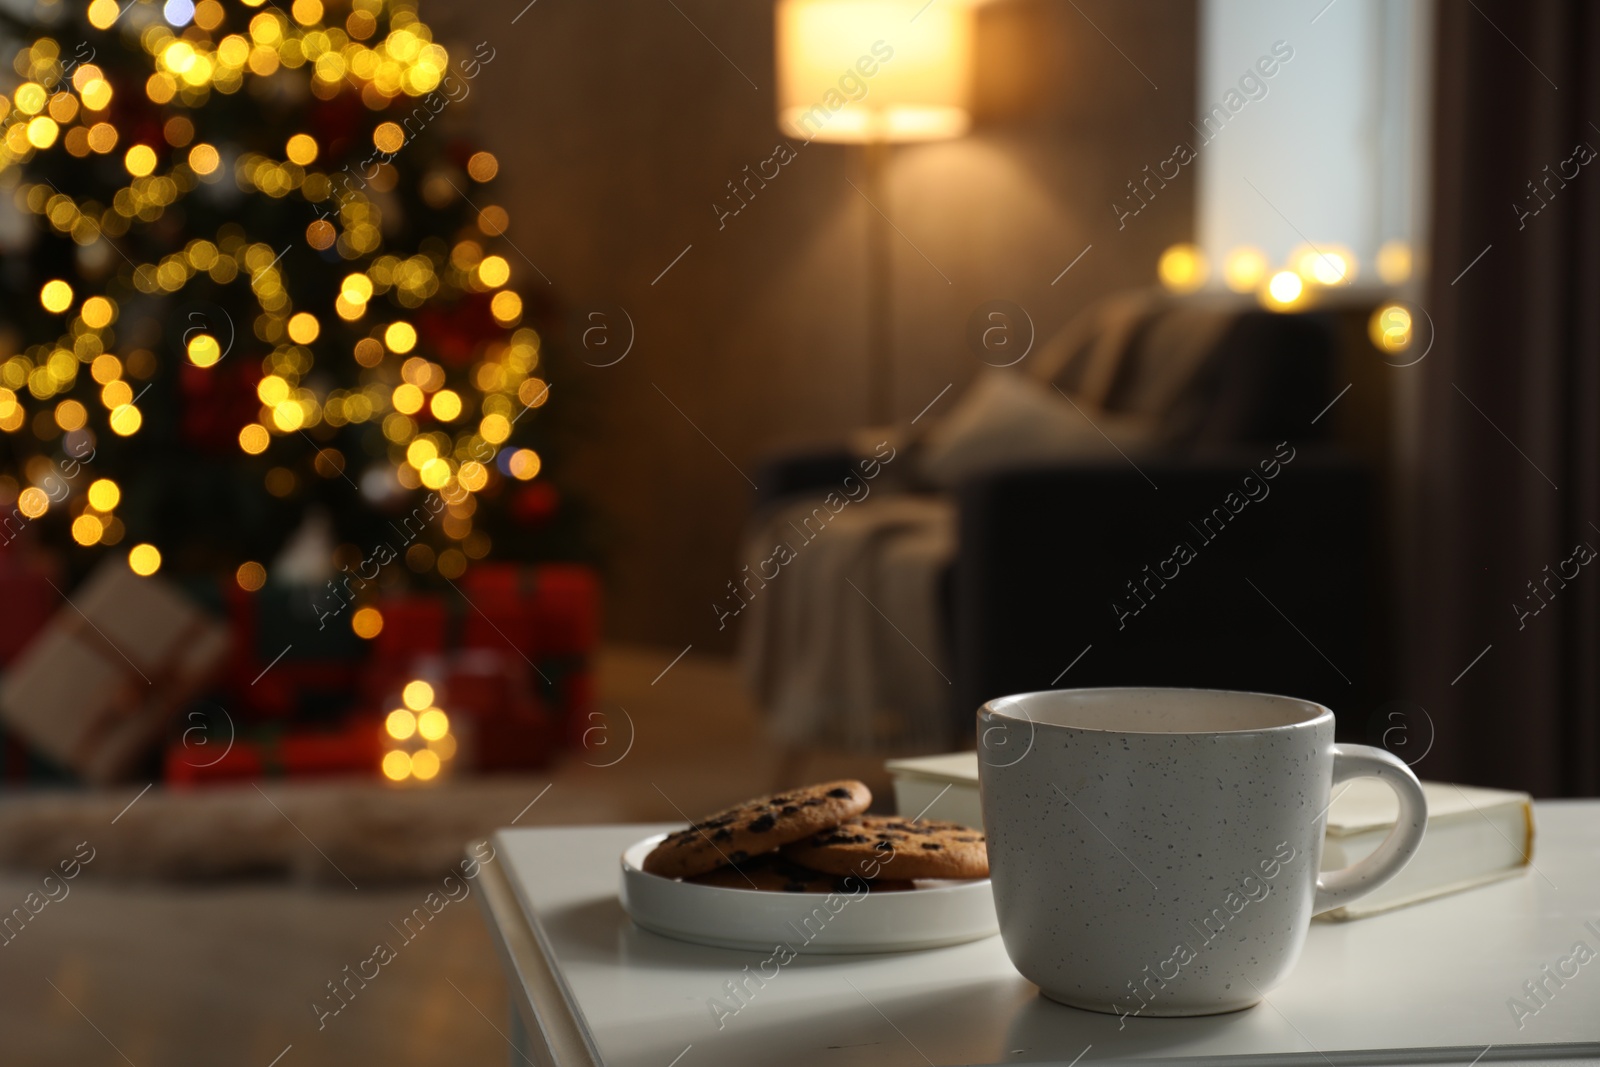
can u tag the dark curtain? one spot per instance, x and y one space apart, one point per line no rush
1505 619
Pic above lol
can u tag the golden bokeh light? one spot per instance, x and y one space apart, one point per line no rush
105 368
30 98
55 295
482 167
1182 268
1390 328
417 695
435 473
473 476
272 390
525 464
421 451
400 724
104 495
304 328
506 307
102 13
346 310
321 234
71 415
495 428
97 312
125 420
445 405
396 765
493 220
369 352
400 337
1284 290
87 529
388 137
140 160
425 764
289 416
1329 265
534 392
102 137
144 559
1244 269
208 14
356 288
265 29
96 94
301 149
42 131
367 623
254 438
494 271
250 576
433 724
1394 262
33 502
203 350
203 159
407 399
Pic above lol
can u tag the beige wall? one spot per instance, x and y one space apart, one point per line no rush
618 125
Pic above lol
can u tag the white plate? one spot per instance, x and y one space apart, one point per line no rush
934 914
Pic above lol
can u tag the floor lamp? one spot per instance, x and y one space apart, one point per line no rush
874 73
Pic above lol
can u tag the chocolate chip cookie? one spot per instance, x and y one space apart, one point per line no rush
756 826
878 846
771 872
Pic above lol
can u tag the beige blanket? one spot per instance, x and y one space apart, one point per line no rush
844 645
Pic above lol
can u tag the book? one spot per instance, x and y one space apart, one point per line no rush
1474 835
938 787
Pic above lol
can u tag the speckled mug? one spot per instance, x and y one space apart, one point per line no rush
1155 852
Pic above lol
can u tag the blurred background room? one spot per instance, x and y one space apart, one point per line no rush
419 418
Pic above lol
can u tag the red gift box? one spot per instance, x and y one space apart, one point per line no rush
28 596
284 665
413 625
547 610
357 748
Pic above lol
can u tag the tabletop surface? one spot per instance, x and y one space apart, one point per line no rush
1437 976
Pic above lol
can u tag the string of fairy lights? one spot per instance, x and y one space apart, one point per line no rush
438 436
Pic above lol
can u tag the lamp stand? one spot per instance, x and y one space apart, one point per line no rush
880 338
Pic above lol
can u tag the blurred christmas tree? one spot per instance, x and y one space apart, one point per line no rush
255 281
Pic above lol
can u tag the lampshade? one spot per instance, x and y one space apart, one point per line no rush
874 70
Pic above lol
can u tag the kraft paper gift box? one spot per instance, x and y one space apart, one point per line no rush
96 689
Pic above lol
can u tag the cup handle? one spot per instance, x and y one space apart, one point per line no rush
1337 888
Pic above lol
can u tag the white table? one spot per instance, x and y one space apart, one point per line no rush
1424 984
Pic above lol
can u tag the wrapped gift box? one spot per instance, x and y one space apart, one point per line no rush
95 689
286 662
551 610
353 749
29 597
546 616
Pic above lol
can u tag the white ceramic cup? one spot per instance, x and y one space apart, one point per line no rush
1155 852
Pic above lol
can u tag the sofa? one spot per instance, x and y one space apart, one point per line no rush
1225 539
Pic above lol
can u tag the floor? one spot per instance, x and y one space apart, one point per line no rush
114 969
